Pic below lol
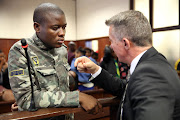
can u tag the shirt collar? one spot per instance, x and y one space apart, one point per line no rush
135 62
39 43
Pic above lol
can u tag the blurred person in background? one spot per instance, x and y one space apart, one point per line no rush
177 67
4 79
71 51
111 63
5 89
95 56
88 52
83 78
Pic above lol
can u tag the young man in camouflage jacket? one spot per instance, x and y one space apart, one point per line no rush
49 66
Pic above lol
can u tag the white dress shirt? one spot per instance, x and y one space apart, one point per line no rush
135 62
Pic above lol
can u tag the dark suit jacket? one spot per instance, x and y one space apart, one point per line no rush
153 91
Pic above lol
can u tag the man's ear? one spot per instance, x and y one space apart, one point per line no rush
36 27
127 43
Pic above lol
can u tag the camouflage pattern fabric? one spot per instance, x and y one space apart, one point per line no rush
51 68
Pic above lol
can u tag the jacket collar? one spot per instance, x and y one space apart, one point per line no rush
39 43
149 53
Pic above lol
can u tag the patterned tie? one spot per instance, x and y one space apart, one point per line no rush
122 103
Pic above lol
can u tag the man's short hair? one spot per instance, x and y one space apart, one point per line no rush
41 11
132 25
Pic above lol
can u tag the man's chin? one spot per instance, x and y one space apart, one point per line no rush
59 45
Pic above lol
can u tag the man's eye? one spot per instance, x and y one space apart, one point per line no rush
64 27
55 28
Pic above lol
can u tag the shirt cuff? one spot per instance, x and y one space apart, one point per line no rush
95 74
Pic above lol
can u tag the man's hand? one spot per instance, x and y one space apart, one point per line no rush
89 103
14 107
84 64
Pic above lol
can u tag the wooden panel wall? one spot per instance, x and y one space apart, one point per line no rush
5 44
102 42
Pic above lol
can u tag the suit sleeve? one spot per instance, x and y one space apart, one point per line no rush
151 93
109 83
48 96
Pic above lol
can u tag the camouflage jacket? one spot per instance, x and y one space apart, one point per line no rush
49 71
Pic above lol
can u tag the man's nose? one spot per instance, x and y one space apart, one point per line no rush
61 32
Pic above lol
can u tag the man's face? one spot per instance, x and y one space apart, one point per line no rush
52 31
117 46
88 53
78 54
2 57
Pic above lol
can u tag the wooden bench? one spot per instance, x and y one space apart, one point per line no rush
50 112
98 93
5 106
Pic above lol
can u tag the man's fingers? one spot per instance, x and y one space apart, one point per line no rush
96 109
81 60
93 111
80 67
14 107
78 60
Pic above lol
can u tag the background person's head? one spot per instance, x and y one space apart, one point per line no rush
50 24
108 51
95 56
3 63
109 54
2 55
129 29
80 52
72 46
88 52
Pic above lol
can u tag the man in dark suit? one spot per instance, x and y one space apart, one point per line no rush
152 92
